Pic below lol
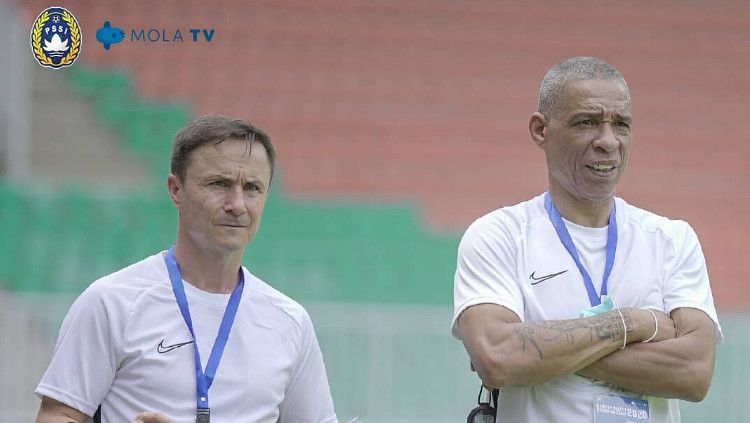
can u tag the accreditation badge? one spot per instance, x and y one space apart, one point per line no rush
620 409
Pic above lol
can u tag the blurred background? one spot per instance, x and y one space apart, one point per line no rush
397 124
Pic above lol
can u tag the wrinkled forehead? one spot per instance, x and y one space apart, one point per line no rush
231 155
596 96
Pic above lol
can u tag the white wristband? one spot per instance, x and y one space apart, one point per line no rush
656 326
624 330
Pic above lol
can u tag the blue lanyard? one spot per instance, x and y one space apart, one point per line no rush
567 242
204 379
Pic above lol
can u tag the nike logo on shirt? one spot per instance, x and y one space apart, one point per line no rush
543 278
161 348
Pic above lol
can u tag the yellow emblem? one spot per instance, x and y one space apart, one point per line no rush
56 38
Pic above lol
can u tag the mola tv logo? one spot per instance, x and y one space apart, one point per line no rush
107 35
56 38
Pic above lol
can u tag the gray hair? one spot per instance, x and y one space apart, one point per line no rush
573 69
214 129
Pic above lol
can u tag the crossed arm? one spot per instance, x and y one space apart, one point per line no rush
677 364
680 367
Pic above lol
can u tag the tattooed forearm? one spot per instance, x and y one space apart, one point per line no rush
606 326
526 335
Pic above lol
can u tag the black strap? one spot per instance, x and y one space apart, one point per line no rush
98 415
484 409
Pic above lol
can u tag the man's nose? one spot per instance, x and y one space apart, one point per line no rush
607 139
235 200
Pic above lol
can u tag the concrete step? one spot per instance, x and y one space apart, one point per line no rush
69 145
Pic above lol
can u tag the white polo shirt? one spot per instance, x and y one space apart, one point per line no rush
119 346
513 257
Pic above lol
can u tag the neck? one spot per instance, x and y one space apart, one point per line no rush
212 271
584 212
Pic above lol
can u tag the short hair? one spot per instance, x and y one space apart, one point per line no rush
573 69
214 129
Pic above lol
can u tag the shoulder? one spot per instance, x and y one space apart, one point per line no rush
107 304
276 305
673 231
126 285
506 223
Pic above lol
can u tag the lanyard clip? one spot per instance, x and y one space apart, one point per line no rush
202 415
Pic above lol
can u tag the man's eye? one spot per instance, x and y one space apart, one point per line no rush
252 187
623 124
221 184
586 122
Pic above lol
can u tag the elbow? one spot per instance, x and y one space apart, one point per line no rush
695 394
493 372
697 384
500 370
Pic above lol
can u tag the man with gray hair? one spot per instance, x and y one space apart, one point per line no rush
189 334
579 306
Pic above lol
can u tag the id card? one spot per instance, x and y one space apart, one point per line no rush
619 409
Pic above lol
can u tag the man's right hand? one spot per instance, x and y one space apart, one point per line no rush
151 417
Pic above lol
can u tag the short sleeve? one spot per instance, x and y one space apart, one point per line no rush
486 267
308 397
687 283
84 361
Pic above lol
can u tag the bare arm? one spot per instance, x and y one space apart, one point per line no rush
681 367
151 417
52 411
505 351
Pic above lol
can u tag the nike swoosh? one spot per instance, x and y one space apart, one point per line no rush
161 348
543 278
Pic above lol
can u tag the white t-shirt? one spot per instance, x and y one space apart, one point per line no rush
117 348
507 256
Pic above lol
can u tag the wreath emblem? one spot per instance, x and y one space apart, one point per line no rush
56 38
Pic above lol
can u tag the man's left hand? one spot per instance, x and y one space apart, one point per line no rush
151 417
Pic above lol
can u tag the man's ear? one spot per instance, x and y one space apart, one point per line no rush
174 186
538 129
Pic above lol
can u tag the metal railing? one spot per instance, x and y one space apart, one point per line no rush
392 363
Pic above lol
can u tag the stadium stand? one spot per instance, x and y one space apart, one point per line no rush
404 99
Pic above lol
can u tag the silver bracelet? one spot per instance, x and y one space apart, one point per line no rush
656 326
624 330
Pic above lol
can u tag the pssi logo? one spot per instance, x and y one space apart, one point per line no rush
108 35
56 38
